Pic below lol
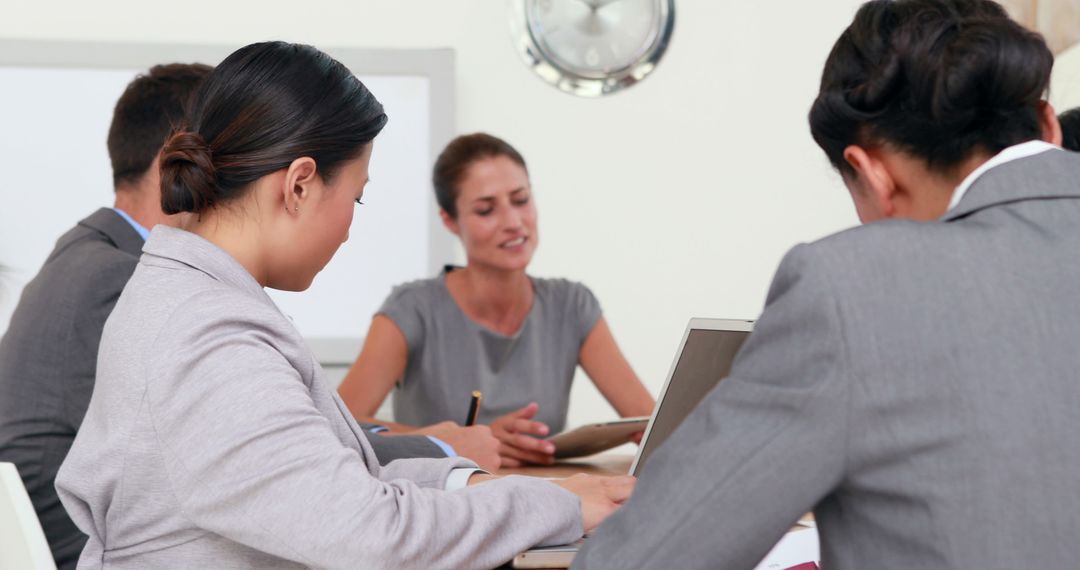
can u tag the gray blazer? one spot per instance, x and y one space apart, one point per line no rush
48 356
917 385
212 441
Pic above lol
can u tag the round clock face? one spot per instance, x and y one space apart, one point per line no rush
594 47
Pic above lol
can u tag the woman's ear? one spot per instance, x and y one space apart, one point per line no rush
873 186
1051 127
450 223
300 179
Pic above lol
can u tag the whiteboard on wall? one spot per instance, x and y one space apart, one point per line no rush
55 108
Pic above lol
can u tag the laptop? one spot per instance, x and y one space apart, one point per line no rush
704 357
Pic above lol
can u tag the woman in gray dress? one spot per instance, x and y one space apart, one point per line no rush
489 326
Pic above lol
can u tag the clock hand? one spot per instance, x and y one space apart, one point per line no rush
588 3
597 4
594 24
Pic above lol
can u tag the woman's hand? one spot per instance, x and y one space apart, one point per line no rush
600 496
517 444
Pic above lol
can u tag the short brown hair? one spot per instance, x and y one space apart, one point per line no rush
456 159
152 104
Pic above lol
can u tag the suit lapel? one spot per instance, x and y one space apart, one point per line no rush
118 231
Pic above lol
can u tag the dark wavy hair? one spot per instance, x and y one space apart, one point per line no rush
266 105
937 79
1070 129
454 161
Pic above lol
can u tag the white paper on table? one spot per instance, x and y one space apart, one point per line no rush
797 547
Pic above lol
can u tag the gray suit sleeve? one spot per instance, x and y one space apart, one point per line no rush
393 447
762 449
251 458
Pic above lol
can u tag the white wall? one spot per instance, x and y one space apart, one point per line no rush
1065 80
674 199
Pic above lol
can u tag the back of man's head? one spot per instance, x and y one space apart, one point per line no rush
1070 129
152 104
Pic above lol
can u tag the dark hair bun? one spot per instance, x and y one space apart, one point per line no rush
938 79
188 177
260 109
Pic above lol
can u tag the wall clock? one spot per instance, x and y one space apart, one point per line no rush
592 47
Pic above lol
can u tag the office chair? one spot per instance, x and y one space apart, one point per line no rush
22 542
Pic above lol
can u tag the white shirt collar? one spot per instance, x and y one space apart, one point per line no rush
1014 152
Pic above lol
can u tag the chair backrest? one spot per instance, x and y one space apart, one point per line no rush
22 542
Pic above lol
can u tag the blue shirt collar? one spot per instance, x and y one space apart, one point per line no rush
143 232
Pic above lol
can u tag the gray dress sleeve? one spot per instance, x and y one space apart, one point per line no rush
404 306
585 307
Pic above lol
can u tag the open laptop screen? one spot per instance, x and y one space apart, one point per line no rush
705 357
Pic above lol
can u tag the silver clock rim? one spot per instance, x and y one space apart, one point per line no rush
569 81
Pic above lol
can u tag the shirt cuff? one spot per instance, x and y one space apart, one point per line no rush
449 451
378 429
459 477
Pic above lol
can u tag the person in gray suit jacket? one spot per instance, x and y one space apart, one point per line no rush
48 354
211 438
914 381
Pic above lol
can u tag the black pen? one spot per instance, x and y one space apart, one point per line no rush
474 408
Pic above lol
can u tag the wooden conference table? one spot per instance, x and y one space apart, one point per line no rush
600 464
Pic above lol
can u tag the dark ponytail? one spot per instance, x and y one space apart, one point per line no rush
266 105
937 79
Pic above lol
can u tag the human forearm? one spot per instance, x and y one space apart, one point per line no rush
380 364
606 366
632 400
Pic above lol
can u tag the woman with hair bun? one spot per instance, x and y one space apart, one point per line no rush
913 380
489 326
212 438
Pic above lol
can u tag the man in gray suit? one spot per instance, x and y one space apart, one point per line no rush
48 355
914 381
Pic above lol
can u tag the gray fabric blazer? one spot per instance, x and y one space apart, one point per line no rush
212 441
48 356
916 384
